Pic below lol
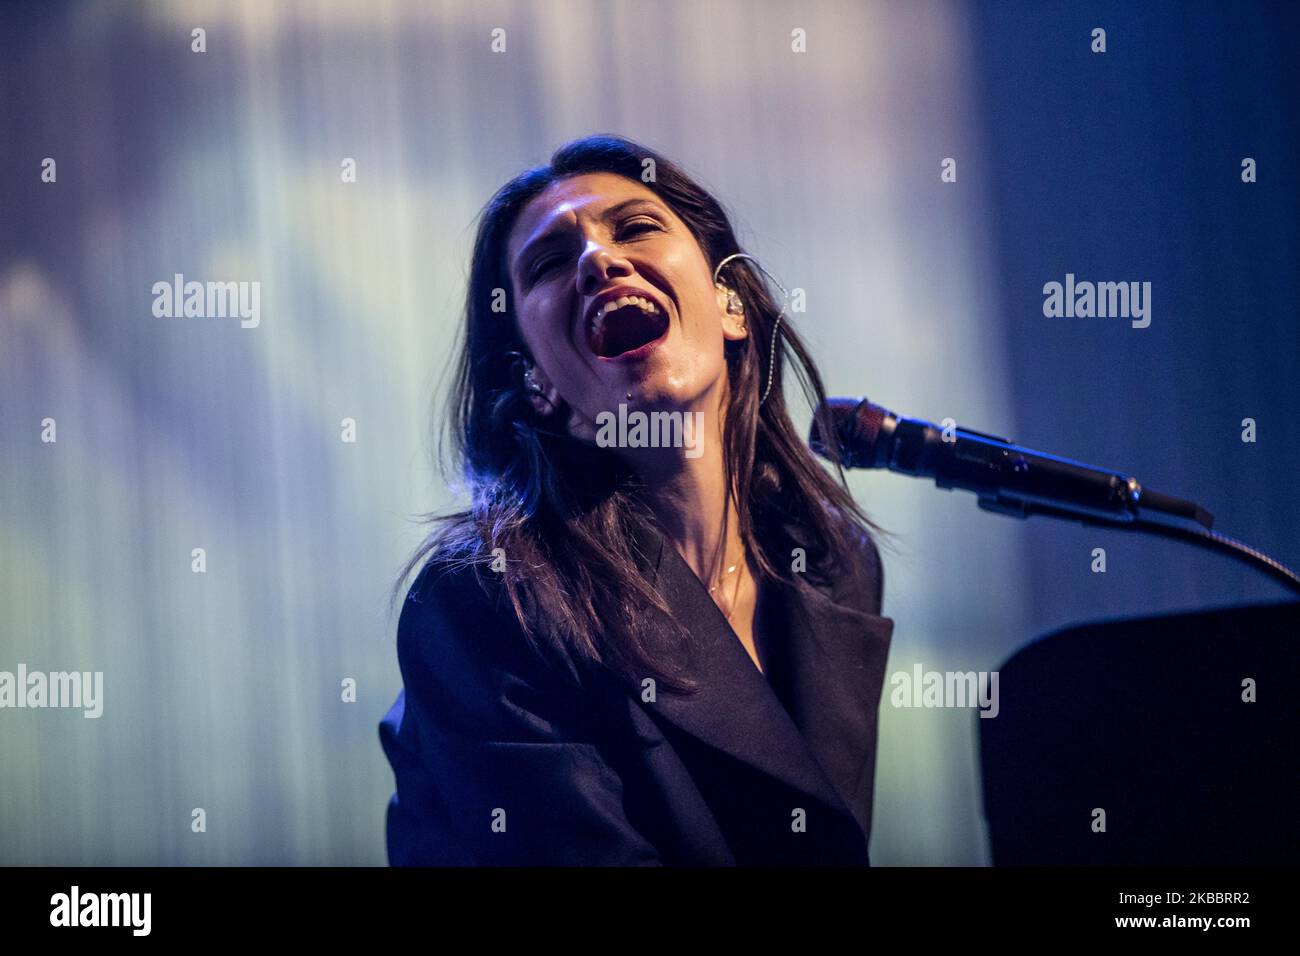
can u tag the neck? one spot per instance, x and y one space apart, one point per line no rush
692 501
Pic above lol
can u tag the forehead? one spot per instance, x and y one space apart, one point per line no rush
586 195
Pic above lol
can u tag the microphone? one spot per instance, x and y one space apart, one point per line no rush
1007 478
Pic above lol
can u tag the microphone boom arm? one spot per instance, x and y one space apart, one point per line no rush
1200 537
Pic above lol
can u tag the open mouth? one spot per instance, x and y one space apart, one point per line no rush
625 325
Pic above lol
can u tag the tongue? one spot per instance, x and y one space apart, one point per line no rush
629 328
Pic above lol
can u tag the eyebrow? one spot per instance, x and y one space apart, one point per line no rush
553 233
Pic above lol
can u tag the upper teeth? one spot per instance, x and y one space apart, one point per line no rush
598 320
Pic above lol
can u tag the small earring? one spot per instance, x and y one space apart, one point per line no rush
541 403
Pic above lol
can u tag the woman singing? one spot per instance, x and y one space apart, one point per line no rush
654 635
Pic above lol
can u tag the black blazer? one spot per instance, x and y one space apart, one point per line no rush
497 762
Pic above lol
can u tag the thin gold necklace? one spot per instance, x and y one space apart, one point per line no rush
735 594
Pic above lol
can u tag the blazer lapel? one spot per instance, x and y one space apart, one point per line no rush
816 741
831 675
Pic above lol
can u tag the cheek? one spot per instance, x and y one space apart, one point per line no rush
548 341
700 359
539 325
702 326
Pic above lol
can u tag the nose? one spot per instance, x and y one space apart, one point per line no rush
597 265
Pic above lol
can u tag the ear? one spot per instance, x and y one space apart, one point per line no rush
734 326
548 399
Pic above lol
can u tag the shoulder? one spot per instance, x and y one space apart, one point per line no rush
858 578
462 650
447 620
448 592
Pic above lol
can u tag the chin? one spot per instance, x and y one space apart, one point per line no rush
661 394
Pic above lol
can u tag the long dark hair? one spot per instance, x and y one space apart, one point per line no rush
563 513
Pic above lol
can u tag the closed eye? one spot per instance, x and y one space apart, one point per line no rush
632 226
541 267
640 225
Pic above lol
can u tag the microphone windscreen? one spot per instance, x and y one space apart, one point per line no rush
856 423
